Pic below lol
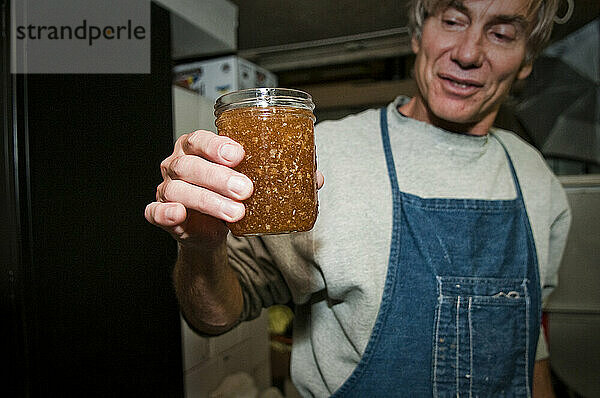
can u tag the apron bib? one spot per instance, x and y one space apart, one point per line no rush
461 307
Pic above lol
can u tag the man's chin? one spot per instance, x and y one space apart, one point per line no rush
453 111
457 119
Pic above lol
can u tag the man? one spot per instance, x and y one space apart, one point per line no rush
436 236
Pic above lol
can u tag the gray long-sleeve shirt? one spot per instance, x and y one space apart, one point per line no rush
335 273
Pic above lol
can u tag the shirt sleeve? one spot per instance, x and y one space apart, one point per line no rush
261 280
559 232
542 347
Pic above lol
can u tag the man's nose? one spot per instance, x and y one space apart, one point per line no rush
468 52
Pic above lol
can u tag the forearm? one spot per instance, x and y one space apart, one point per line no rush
542 381
208 290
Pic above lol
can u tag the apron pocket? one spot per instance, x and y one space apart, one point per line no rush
481 337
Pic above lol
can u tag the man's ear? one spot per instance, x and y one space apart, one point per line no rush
415 43
524 71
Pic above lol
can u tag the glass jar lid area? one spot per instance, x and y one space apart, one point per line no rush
264 97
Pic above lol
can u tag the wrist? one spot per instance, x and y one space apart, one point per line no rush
207 242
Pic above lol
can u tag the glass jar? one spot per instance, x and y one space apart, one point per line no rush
276 128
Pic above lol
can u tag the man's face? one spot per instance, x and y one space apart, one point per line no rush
468 57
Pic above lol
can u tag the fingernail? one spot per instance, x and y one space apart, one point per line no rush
233 210
241 186
229 152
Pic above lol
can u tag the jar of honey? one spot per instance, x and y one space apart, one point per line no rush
275 126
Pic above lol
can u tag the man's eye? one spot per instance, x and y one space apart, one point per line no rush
503 33
452 23
451 18
502 37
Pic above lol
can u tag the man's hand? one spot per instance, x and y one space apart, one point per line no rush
200 189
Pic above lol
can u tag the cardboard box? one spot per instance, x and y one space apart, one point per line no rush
215 77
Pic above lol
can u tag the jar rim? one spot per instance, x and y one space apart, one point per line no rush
264 97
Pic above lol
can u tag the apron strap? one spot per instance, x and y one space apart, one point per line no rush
512 168
396 196
387 149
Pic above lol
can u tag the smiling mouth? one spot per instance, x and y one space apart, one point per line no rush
461 83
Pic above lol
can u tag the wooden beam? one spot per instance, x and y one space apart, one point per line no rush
356 94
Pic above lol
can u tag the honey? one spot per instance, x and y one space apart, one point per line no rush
280 159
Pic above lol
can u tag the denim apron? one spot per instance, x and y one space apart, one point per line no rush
461 307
